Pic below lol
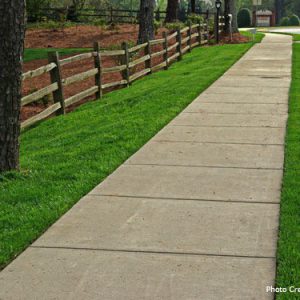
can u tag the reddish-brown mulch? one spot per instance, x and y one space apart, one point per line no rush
77 37
82 36
236 39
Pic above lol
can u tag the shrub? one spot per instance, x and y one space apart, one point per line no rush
174 26
284 21
157 25
294 20
34 9
99 22
195 19
244 18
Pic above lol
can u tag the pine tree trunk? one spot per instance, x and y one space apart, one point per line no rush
12 32
230 8
279 10
146 19
193 6
172 10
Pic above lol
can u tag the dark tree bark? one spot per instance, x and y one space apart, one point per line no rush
172 11
279 10
230 8
146 20
193 6
12 32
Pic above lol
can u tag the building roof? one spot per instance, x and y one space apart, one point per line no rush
264 13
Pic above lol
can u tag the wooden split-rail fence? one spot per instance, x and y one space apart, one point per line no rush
152 56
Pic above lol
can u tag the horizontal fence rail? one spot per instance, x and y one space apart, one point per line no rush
131 63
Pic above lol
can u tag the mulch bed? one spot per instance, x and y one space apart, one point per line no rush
236 39
81 36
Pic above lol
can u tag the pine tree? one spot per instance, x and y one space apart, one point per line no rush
146 20
172 11
12 32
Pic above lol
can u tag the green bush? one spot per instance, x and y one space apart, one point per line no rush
157 25
34 9
294 20
244 18
52 25
195 19
174 26
99 22
285 21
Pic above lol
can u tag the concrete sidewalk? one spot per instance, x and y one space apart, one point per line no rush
192 215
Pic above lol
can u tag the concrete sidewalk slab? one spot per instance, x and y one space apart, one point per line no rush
213 155
279 62
229 135
245 81
240 98
224 184
90 275
138 224
259 72
238 108
267 91
229 120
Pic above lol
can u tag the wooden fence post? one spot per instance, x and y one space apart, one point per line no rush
207 28
199 33
111 15
98 65
148 63
125 61
216 27
179 46
56 77
189 33
165 45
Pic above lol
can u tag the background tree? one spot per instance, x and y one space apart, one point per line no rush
34 8
193 6
279 10
230 7
290 7
172 10
146 20
12 33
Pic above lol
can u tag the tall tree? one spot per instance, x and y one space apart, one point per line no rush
279 6
193 6
12 33
231 8
146 20
172 11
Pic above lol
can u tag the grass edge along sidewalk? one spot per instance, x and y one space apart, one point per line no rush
63 158
288 254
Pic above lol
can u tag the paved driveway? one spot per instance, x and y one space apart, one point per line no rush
287 30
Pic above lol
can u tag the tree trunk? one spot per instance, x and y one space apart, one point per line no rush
193 6
172 10
12 32
146 20
279 10
230 8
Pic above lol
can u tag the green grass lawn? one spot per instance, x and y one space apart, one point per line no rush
257 38
63 158
42 53
288 256
296 37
